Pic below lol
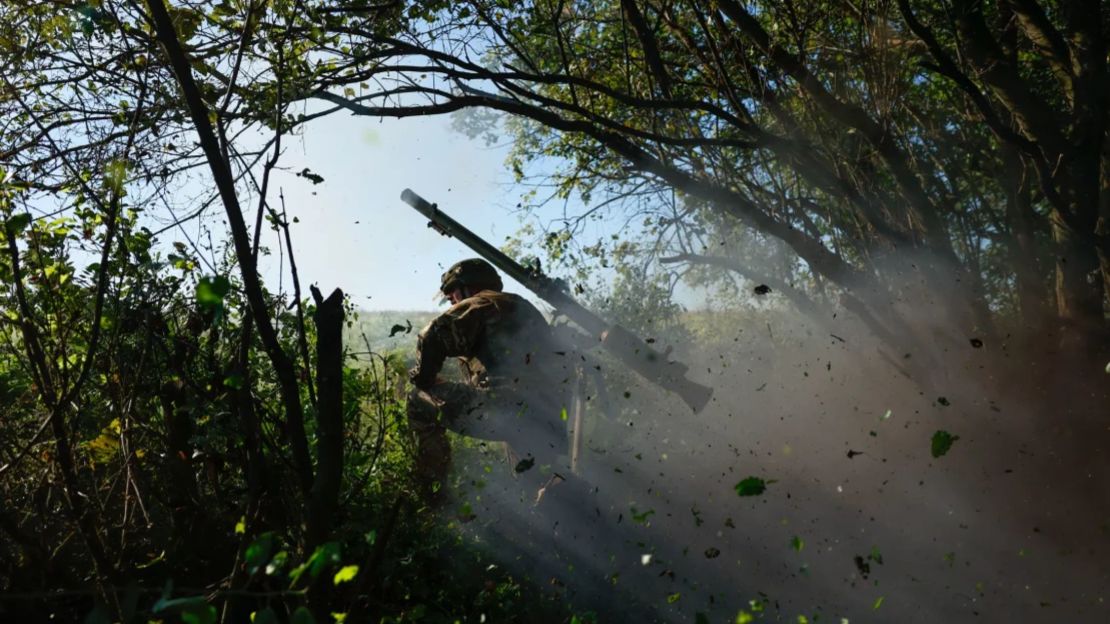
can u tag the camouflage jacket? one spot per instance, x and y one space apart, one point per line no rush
496 336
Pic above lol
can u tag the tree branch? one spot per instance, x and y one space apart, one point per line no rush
225 183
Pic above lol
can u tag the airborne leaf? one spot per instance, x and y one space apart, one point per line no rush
942 442
525 465
752 486
307 174
345 574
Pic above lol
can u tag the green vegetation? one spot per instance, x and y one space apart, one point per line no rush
180 443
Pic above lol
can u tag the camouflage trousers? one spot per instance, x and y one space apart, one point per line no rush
529 422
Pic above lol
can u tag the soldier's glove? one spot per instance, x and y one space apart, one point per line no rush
419 379
431 400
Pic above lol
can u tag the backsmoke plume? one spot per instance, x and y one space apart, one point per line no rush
822 482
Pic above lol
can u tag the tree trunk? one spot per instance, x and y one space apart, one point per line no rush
1078 294
1032 295
324 497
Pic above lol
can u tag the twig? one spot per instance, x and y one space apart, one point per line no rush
225 182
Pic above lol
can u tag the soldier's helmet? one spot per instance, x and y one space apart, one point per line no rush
474 273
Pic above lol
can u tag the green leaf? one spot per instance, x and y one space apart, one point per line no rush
797 544
878 603
875 555
277 563
115 174
17 223
258 553
324 556
942 442
345 574
211 291
563 414
302 616
752 486
673 598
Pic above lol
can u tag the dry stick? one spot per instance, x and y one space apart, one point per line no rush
222 175
302 338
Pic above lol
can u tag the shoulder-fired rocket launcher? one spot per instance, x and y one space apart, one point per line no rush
631 350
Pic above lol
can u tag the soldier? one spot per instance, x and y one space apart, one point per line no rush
514 379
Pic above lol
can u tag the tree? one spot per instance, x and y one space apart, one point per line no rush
189 389
904 154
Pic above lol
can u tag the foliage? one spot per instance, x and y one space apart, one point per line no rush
168 422
160 446
862 160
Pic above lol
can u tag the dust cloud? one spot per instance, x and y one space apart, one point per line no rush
858 520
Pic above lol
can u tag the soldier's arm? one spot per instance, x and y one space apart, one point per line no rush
454 333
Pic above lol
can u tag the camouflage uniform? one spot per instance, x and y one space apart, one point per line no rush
515 382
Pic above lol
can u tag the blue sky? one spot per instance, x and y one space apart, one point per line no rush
356 233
